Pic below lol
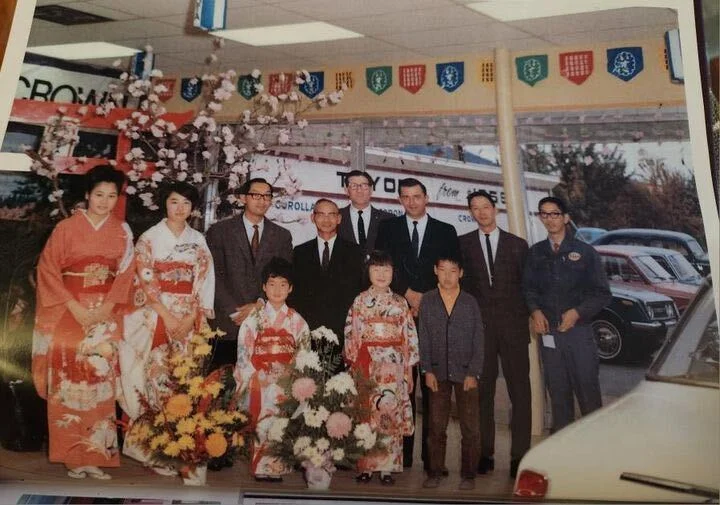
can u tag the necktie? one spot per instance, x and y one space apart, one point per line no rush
415 240
556 247
325 263
491 262
255 241
362 239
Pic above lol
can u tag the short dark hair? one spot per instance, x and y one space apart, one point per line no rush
451 257
378 258
245 188
410 182
324 200
104 173
480 193
357 173
181 188
277 267
553 199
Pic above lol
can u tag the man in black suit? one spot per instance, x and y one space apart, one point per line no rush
328 273
241 246
494 264
415 241
360 220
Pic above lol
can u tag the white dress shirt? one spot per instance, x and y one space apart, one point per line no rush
494 238
354 220
421 226
250 230
321 246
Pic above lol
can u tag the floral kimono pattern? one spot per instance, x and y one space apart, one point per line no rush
381 342
178 273
267 342
75 368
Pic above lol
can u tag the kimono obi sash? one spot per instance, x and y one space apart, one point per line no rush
94 274
273 345
384 332
174 276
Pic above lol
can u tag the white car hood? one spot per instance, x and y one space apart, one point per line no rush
659 429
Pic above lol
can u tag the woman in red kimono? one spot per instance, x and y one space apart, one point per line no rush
84 272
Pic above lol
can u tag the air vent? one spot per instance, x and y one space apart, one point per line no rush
66 16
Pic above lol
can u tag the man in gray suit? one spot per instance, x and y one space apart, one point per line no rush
241 246
359 220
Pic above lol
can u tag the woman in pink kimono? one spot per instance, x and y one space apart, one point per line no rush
84 275
176 288
381 342
268 340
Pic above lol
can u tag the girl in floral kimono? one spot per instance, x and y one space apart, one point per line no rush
268 340
85 273
381 342
176 289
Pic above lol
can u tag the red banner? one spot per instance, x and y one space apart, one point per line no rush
280 83
169 83
576 66
412 77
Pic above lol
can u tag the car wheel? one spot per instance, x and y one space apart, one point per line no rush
608 338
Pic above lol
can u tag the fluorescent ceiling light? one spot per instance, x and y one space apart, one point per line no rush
515 11
287 34
84 51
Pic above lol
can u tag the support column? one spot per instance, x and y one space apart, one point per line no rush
515 203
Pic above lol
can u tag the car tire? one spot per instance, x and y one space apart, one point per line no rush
609 340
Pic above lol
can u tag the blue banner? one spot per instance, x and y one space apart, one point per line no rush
450 76
314 85
210 14
625 62
190 88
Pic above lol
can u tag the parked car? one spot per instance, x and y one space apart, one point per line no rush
630 266
666 239
674 263
658 443
588 234
635 323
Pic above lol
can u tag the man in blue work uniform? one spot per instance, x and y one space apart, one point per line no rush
565 286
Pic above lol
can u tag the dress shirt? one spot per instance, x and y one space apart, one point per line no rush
250 230
354 221
494 238
421 226
321 246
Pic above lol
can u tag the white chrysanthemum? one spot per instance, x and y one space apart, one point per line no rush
317 460
324 333
341 383
277 429
362 431
323 414
301 444
338 454
307 359
323 444
368 442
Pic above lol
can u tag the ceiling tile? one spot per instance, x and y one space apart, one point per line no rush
147 8
619 35
376 58
364 46
114 14
486 48
174 44
328 10
462 35
118 30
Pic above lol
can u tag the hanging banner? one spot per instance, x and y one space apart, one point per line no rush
246 86
625 62
486 71
412 77
210 14
190 88
343 79
142 64
378 79
169 84
313 85
450 76
674 56
280 83
576 66
532 69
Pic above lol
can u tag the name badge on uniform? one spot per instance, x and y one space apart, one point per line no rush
548 341
574 256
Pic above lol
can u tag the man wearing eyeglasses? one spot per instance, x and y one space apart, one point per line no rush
565 286
241 246
328 273
360 220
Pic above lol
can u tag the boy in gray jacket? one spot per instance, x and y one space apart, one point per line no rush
451 356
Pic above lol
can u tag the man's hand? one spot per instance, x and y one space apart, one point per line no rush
243 312
569 318
540 322
431 382
470 383
413 298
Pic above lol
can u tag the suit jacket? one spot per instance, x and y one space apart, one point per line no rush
503 304
322 297
237 279
416 273
346 231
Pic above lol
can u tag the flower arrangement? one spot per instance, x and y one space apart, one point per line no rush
195 420
323 421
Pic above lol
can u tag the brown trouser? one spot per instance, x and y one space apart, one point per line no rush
468 407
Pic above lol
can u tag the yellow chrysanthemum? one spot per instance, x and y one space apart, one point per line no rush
159 440
159 419
186 425
178 406
181 371
239 416
216 445
186 442
237 440
202 350
213 388
172 449
204 423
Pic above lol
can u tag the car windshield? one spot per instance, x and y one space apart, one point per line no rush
697 250
691 354
652 269
682 267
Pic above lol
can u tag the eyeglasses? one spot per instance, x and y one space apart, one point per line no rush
261 196
550 215
360 185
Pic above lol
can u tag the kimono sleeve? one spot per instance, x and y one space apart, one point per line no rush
145 271
354 328
120 290
410 337
51 290
205 279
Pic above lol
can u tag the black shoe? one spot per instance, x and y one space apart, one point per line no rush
486 465
268 478
387 480
364 477
514 464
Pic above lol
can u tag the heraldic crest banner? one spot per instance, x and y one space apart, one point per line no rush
625 62
450 76
378 79
532 69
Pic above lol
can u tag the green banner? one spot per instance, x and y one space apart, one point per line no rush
532 69
378 79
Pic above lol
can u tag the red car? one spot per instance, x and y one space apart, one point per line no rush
631 265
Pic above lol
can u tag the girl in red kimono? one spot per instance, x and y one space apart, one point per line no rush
84 272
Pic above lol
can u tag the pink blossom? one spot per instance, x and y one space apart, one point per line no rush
303 389
338 425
